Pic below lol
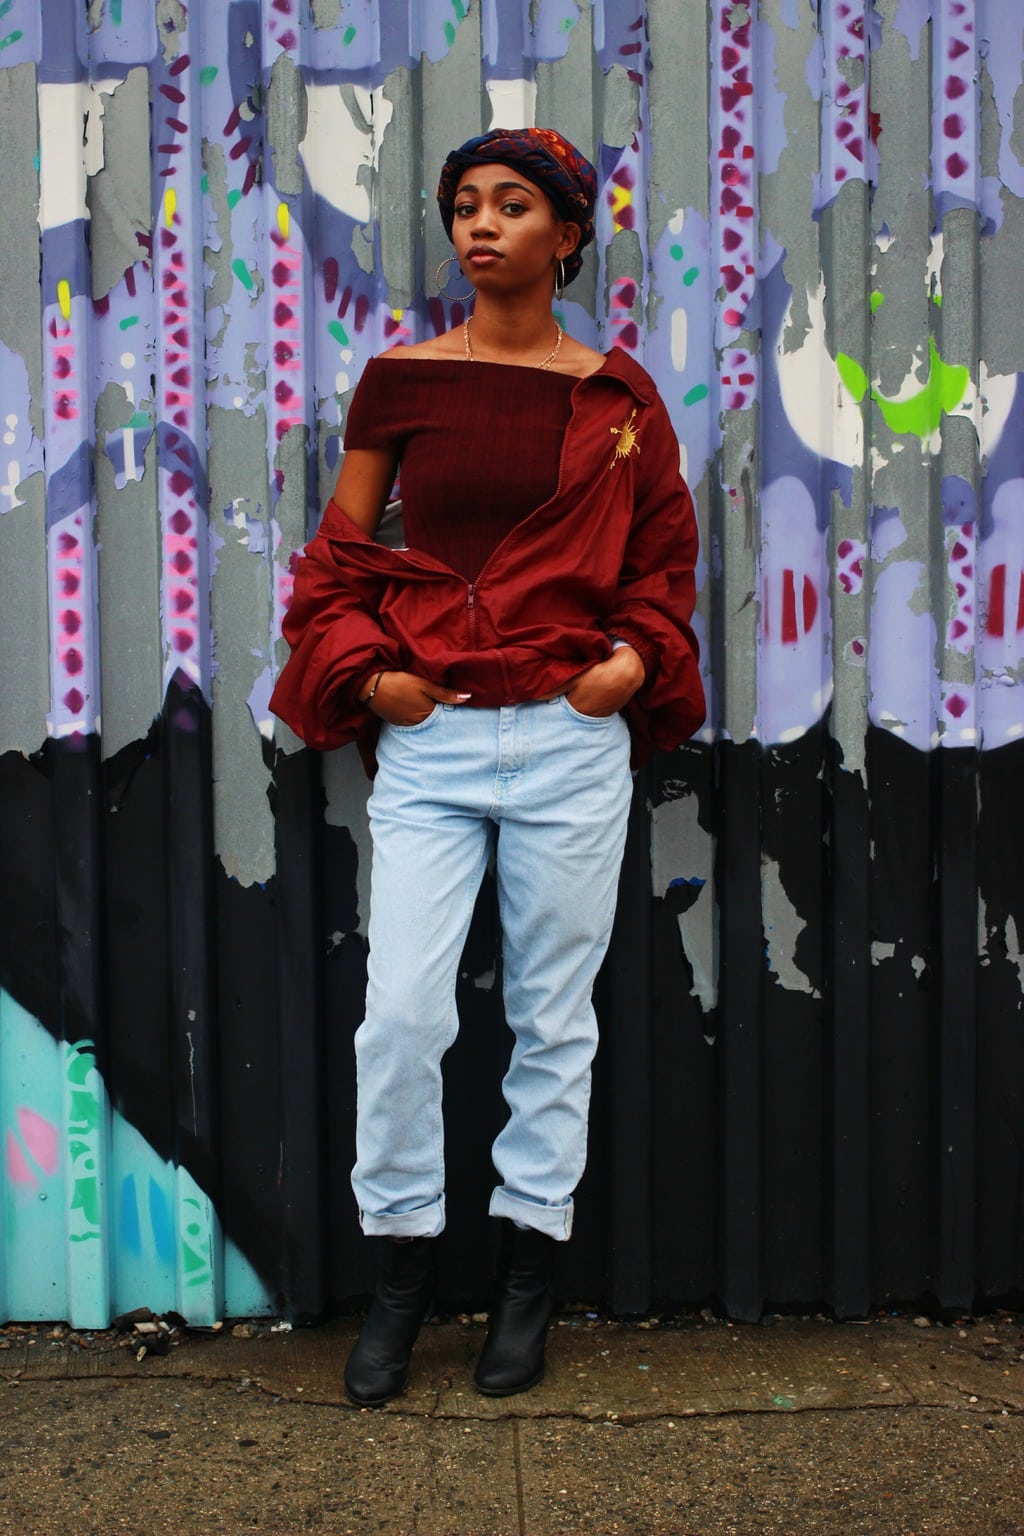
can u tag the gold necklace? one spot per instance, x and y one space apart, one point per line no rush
545 364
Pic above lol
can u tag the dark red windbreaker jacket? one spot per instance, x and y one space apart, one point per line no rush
611 553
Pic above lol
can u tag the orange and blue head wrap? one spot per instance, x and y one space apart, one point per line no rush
541 155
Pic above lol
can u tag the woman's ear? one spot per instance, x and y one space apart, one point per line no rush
568 240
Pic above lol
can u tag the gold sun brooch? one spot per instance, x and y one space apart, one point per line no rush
627 439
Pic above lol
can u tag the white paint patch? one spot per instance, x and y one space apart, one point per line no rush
880 951
995 399
334 151
880 461
378 111
9 490
70 146
131 467
513 103
783 926
675 223
63 111
678 339
818 405
95 153
956 735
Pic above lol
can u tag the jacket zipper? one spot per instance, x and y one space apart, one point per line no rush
471 613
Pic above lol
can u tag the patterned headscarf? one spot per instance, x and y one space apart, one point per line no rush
540 155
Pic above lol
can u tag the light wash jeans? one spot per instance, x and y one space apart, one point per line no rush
548 790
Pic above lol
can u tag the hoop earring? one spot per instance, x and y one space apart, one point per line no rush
560 281
441 277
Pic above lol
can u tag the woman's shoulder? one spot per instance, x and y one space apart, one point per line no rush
579 360
574 358
447 347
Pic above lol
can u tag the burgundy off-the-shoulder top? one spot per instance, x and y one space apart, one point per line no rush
479 446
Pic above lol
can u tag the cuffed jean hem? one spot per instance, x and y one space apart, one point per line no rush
424 1221
553 1220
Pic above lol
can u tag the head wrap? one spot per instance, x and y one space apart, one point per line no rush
540 155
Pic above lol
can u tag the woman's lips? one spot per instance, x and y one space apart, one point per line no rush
483 258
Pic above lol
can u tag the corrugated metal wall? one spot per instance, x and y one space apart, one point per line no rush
811 1084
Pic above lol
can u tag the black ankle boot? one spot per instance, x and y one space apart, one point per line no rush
378 1366
513 1354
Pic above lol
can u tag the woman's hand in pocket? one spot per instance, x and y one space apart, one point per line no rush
606 688
403 698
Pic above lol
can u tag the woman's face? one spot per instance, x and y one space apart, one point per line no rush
507 236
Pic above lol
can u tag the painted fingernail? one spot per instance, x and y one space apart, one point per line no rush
462 697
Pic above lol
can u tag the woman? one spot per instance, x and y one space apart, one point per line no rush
496 673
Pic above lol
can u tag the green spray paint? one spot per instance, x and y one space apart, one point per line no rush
920 414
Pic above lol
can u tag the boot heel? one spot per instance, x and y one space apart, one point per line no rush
512 1359
378 1367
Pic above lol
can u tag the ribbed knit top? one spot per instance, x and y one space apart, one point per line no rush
479 446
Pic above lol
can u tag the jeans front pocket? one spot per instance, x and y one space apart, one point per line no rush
421 725
575 714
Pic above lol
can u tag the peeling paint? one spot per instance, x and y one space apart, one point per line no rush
326 14
332 154
681 851
809 231
347 792
241 614
783 926
1014 950
171 21
119 193
287 124
24 631
127 534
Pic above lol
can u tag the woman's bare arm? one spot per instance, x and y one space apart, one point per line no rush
364 484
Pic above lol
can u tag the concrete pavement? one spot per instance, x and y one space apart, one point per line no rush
695 1428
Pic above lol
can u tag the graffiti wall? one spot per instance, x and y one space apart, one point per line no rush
810 1089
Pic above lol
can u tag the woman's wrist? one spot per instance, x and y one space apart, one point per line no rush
370 686
628 658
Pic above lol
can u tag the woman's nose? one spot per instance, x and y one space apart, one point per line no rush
483 223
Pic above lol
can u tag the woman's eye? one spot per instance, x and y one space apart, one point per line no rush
463 210
513 207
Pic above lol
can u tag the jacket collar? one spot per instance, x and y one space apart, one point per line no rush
619 365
